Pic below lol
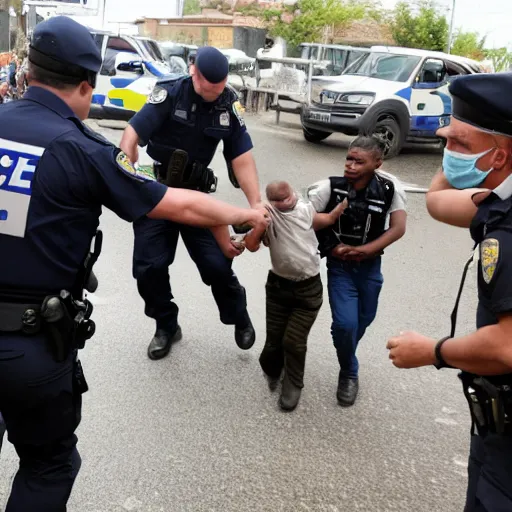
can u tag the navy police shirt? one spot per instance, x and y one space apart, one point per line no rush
175 117
492 230
55 175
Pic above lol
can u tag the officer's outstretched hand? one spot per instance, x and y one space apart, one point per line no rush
411 350
257 218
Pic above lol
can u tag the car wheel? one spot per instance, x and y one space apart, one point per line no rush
388 130
315 135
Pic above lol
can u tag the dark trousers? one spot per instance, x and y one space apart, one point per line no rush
490 474
292 308
41 409
154 251
354 290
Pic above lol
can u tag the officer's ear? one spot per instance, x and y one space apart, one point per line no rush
85 88
502 158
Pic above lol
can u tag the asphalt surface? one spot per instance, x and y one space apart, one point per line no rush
200 431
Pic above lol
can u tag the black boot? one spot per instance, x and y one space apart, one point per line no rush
161 343
290 395
272 382
244 333
347 391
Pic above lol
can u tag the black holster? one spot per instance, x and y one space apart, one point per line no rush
66 323
180 173
490 406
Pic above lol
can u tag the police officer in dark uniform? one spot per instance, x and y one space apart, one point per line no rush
182 125
55 176
478 154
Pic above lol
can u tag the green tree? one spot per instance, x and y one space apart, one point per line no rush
501 59
307 20
421 26
191 7
468 44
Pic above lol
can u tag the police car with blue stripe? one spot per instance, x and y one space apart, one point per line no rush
400 93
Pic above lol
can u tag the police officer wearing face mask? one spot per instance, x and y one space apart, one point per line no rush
55 176
478 154
182 125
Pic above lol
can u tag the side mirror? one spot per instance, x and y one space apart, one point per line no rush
133 66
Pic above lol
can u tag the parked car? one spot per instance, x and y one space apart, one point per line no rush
399 93
333 58
131 67
239 61
171 49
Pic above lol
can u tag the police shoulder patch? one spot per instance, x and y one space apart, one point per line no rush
158 95
140 173
238 110
489 256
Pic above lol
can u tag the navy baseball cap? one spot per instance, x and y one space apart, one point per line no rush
483 100
66 48
212 64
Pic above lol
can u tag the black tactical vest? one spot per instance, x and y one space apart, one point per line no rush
365 218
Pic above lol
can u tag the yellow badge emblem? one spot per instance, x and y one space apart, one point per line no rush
238 110
141 174
489 255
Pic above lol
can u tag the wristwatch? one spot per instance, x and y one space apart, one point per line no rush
441 363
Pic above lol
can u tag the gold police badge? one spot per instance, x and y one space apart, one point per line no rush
489 255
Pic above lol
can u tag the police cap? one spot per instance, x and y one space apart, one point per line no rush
65 48
212 64
483 100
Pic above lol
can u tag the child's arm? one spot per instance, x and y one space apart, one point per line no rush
254 238
324 220
223 237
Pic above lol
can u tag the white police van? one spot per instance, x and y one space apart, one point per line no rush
400 93
131 67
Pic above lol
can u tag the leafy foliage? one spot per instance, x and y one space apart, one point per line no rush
422 27
311 17
191 7
501 59
468 44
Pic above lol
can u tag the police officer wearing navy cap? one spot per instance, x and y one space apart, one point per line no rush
182 124
55 176
474 190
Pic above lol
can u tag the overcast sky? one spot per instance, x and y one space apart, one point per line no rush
494 19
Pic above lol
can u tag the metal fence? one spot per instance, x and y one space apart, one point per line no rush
285 80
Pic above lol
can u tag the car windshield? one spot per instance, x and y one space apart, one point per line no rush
385 66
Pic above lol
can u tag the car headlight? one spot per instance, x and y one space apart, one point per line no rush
357 99
328 97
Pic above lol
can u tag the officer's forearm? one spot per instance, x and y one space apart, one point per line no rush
198 209
487 351
449 205
129 142
246 174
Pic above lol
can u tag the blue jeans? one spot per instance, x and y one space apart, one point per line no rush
354 290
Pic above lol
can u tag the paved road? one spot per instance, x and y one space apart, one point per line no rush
199 430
